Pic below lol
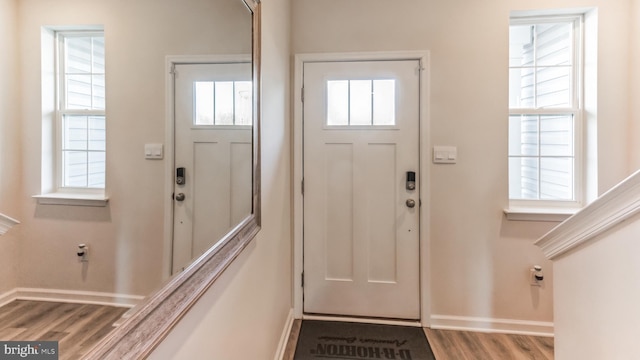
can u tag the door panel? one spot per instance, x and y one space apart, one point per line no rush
361 241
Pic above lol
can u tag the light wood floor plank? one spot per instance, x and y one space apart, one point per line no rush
64 313
496 344
76 327
545 344
476 345
8 334
84 331
7 309
23 314
43 323
443 345
100 328
455 345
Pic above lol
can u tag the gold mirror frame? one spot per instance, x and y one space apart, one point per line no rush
154 318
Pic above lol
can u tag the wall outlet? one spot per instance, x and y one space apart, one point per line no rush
83 252
532 278
536 276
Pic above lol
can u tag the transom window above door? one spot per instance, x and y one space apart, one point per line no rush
223 103
361 102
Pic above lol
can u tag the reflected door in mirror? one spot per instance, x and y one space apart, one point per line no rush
213 155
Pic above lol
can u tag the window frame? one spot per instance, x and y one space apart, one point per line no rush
61 111
576 110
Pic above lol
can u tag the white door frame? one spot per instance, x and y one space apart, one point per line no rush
300 59
169 140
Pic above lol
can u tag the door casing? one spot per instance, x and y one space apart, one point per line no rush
425 146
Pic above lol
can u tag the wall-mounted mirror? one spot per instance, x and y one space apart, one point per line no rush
215 177
140 89
212 146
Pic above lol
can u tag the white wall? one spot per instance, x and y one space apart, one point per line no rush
242 316
126 237
597 295
10 164
479 261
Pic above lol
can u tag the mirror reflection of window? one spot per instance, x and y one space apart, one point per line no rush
82 111
223 103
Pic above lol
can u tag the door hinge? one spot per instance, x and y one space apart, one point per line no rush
302 94
302 279
302 186
172 71
421 67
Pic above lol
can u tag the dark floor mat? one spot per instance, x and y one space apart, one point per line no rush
343 340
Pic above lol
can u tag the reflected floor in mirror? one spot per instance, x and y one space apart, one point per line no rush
76 327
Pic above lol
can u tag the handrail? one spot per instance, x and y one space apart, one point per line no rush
7 223
615 206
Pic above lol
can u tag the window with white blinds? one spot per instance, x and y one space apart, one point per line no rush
81 110
544 110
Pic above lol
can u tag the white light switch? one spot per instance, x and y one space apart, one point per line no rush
153 151
445 154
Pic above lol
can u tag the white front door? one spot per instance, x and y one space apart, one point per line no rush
361 218
213 155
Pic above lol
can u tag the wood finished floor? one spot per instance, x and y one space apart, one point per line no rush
76 327
466 345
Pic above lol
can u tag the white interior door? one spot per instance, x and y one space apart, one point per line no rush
361 220
213 149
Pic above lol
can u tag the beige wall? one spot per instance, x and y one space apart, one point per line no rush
242 316
634 70
597 297
10 164
126 237
479 261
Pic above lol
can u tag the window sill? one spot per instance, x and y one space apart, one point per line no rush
70 199
539 214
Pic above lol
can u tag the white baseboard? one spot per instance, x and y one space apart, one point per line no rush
284 337
7 297
363 320
69 296
505 326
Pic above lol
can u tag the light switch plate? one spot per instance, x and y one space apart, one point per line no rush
445 154
153 151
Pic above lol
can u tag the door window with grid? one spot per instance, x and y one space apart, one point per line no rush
81 110
223 103
544 111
